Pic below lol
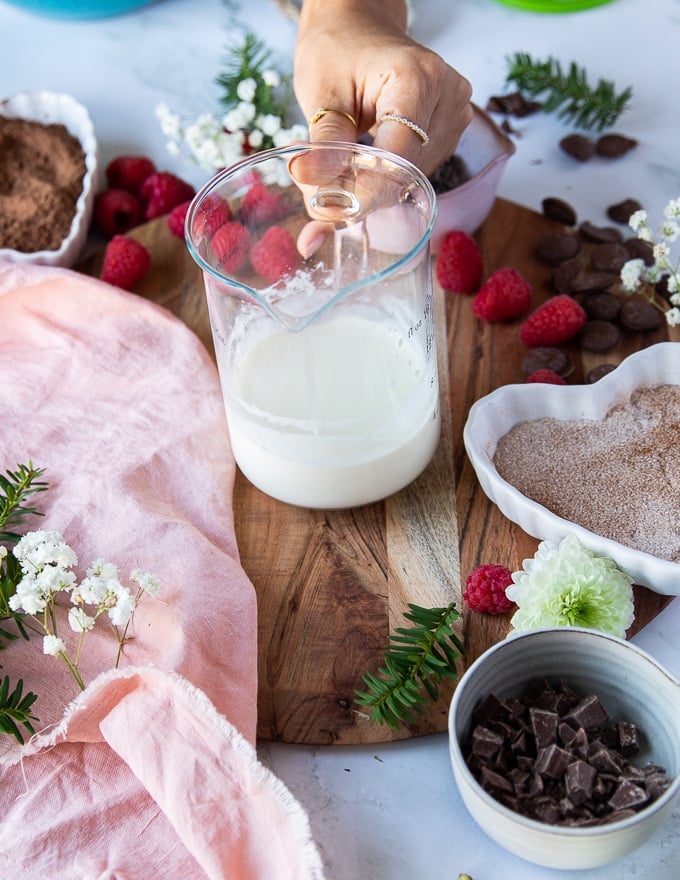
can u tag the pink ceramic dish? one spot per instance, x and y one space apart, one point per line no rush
485 150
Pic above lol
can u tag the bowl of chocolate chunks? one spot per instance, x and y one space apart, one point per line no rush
565 746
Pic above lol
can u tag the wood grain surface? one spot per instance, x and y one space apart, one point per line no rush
332 585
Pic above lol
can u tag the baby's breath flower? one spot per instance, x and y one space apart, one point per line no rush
638 277
53 645
121 613
147 581
246 89
79 621
569 585
271 78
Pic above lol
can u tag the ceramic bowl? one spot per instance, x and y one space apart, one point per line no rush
495 414
54 107
75 9
630 684
485 150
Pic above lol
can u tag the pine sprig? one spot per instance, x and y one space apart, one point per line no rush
15 488
15 709
416 661
568 92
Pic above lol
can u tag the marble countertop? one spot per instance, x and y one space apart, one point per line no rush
392 812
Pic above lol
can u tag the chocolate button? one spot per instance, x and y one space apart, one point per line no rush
547 358
564 275
599 234
640 250
555 247
599 372
599 335
602 306
614 145
638 315
578 147
621 212
558 209
609 256
590 281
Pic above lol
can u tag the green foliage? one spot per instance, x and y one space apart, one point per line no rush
416 661
568 92
15 487
248 61
15 709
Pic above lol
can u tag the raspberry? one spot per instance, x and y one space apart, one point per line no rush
275 254
230 246
212 213
485 589
116 211
545 375
162 191
504 295
176 218
459 264
129 173
126 261
554 321
260 206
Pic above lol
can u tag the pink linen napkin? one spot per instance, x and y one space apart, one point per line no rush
151 772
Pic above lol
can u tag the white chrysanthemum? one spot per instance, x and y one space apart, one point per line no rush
568 585
79 621
246 89
53 645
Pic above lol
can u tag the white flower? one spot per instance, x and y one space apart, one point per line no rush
672 209
27 598
670 230
269 123
240 117
246 89
79 621
271 78
673 317
3 552
569 585
631 274
255 138
121 612
147 581
637 220
53 645
170 123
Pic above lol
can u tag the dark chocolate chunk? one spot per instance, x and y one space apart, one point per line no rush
578 146
547 358
599 234
544 726
604 759
589 713
639 315
614 145
452 173
602 306
486 743
494 782
552 761
628 737
599 372
514 104
558 209
627 796
579 779
609 256
587 282
599 335
621 212
640 250
555 247
565 273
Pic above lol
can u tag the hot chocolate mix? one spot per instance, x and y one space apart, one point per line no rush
41 177
618 477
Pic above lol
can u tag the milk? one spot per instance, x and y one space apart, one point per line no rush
343 413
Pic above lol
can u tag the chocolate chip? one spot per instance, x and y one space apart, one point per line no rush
599 335
599 234
638 315
614 145
628 796
602 306
555 247
609 256
640 250
588 282
599 372
547 358
621 212
565 273
578 146
558 209
579 780
514 103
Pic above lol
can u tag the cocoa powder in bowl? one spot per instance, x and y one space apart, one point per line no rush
618 477
42 167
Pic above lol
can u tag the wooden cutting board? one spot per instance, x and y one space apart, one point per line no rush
332 585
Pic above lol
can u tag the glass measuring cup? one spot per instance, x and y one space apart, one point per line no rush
315 260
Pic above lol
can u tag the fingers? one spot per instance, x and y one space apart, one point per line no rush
332 124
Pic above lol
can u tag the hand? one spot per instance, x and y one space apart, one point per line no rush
355 56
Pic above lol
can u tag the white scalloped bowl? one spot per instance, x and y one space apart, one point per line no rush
55 107
491 417
632 687
485 150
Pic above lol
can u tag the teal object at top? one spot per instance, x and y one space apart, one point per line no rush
553 5
75 9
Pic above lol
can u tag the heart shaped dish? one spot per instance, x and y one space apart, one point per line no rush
492 417
50 108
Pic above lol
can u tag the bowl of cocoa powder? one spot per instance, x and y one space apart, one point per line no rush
565 746
600 461
48 176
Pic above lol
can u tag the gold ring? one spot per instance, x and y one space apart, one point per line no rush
322 111
394 117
